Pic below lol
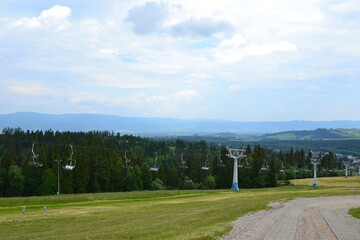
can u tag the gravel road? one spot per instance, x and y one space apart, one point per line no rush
301 219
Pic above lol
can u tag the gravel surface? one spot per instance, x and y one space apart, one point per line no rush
301 219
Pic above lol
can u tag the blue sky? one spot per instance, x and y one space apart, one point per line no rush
238 60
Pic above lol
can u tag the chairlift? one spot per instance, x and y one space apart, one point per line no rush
247 165
183 162
265 166
240 165
221 162
34 158
282 168
154 167
71 164
206 164
127 161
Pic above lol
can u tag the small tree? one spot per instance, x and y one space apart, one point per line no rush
208 182
49 183
157 185
16 180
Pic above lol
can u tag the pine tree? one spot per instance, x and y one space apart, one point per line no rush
16 181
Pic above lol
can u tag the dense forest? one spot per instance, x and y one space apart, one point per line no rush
108 162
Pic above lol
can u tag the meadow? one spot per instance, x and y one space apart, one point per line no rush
191 214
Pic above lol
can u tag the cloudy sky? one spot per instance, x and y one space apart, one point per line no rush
240 60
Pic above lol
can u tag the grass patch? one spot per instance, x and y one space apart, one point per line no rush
150 215
355 212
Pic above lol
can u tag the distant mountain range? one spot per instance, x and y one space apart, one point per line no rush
146 125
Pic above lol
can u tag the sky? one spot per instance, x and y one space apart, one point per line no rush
238 60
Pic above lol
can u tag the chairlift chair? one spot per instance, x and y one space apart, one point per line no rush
240 165
183 162
282 168
34 158
206 164
265 166
71 164
154 167
247 165
127 162
221 162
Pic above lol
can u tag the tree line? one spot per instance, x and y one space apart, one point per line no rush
101 165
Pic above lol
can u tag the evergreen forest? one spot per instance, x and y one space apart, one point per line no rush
102 161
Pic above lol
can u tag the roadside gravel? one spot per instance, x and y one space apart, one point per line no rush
301 219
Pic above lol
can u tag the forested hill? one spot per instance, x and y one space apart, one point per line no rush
141 125
318 134
105 162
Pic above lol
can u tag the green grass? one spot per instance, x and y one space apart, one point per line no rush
355 212
149 215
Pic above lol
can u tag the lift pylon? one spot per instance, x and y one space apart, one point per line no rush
315 160
236 154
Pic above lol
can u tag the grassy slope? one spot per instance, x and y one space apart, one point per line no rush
149 215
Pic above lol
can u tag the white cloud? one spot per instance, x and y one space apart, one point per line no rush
185 95
236 41
30 89
202 27
55 17
346 6
230 55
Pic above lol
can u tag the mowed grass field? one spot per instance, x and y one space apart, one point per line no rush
150 215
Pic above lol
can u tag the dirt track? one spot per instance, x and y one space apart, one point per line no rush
301 219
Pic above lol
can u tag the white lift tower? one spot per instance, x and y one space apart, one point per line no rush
346 169
236 154
315 160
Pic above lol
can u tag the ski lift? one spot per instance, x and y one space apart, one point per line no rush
154 167
282 168
183 162
221 162
34 158
247 165
206 164
127 161
71 162
265 166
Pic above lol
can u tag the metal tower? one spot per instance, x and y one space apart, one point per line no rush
236 154
346 169
315 160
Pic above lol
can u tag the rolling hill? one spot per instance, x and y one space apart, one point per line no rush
318 134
